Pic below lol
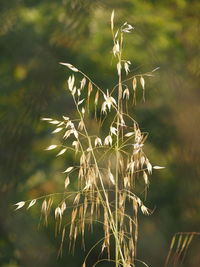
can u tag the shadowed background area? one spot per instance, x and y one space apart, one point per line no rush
34 37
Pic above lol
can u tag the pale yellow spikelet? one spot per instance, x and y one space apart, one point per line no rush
134 83
112 20
83 82
67 182
97 142
20 204
63 207
31 203
96 98
70 66
142 81
61 152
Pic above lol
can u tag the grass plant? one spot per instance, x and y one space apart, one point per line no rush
180 243
109 164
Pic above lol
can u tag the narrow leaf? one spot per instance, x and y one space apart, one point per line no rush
172 242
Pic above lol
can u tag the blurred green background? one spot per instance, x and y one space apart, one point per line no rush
34 37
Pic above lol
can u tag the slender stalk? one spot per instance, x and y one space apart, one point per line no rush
119 110
116 202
